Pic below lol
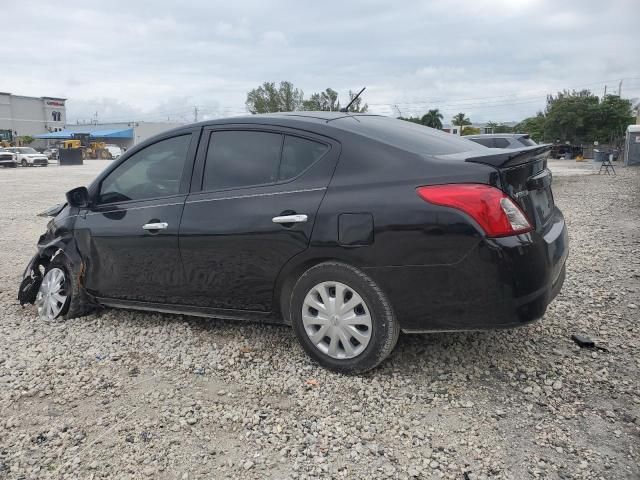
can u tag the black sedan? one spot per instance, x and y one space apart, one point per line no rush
347 227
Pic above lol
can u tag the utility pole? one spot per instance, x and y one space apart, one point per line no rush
605 91
620 88
195 114
398 108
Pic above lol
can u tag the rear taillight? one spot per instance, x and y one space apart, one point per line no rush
491 208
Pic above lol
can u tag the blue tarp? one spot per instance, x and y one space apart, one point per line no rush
67 134
126 133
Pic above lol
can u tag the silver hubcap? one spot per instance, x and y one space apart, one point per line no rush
52 294
337 320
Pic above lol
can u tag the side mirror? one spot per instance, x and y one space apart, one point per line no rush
78 197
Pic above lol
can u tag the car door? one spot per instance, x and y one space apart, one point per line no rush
254 199
129 237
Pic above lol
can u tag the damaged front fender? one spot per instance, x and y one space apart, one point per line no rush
58 244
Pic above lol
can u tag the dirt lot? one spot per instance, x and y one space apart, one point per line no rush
140 395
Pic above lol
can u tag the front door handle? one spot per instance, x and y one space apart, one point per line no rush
155 226
298 218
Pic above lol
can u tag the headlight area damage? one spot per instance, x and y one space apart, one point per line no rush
58 249
57 262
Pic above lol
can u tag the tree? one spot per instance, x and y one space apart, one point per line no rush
502 128
25 140
614 115
433 118
470 131
581 117
267 98
326 101
460 120
491 125
571 116
534 126
417 120
290 97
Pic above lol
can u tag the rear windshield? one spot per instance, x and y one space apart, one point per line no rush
407 135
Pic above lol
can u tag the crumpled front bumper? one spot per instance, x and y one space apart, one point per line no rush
31 280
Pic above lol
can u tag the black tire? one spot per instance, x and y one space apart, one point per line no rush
76 304
24 163
385 327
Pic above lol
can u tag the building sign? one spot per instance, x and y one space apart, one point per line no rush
55 103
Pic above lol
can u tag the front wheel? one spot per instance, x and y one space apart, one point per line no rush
59 295
342 318
24 163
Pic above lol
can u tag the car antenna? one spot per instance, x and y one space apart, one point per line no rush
346 109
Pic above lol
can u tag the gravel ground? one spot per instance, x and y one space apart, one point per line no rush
124 394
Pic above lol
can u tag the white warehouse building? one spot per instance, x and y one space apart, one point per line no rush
21 116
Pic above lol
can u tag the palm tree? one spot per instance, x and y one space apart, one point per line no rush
491 126
433 118
460 120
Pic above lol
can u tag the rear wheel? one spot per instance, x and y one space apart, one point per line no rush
342 318
24 163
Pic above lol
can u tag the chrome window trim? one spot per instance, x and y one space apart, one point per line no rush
133 208
251 195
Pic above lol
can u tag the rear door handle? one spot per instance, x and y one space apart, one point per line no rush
155 226
290 219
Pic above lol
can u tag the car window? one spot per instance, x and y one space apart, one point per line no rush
526 141
241 159
483 141
153 172
298 154
500 142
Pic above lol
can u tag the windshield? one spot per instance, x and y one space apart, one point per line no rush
26 150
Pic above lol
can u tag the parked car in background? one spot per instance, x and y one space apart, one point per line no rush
29 157
502 140
348 227
51 153
114 150
7 158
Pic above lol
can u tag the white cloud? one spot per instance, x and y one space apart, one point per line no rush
493 60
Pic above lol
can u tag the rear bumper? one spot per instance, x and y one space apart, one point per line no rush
502 283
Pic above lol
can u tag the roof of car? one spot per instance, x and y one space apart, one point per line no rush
497 135
304 116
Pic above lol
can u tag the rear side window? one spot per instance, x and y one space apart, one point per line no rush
526 141
298 154
500 142
241 158
483 141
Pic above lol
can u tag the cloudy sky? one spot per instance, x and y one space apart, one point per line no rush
492 59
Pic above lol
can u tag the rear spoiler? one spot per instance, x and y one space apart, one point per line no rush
512 158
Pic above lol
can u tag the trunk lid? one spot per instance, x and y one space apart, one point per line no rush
525 178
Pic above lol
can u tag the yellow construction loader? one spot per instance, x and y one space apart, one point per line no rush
91 150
